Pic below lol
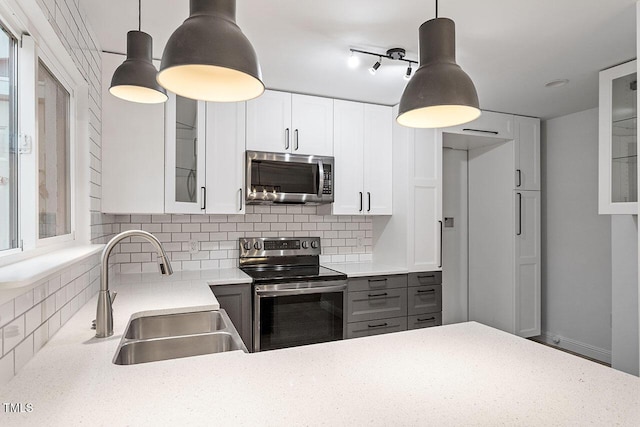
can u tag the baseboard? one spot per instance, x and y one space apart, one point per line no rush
575 346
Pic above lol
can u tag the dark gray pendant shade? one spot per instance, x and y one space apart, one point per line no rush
135 79
440 94
209 58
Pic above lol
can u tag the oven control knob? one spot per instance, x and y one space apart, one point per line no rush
305 244
258 245
246 246
314 244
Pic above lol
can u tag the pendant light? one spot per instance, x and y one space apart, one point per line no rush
135 79
439 94
209 58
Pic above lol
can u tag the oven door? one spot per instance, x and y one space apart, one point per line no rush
291 314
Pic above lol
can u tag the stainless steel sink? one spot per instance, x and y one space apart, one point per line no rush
168 325
152 337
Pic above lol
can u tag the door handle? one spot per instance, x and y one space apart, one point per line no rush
295 140
203 202
441 224
286 138
241 201
519 215
369 197
379 325
384 294
519 172
361 207
427 291
492 132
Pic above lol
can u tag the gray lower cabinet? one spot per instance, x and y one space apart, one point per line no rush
236 301
392 303
375 327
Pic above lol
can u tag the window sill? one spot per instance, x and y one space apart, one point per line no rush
16 277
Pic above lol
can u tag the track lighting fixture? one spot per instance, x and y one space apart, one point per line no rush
375 67
395 54
407 76
135 79
440 94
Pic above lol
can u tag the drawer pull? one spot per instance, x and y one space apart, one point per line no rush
429 319
384 294
377 280
426 291
492 132
381 325
430 276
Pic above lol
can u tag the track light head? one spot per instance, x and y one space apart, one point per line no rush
407 76
375 67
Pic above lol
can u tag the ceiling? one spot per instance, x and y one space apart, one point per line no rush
509 48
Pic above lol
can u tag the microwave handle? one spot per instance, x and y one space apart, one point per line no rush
320 178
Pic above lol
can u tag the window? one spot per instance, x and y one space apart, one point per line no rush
8 143
54 157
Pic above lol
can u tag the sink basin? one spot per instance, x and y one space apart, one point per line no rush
168 325
153 350
157 337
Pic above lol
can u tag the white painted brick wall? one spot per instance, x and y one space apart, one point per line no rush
217 236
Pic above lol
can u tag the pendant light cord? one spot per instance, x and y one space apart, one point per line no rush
140 14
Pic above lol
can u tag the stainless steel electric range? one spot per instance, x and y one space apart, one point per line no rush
296 301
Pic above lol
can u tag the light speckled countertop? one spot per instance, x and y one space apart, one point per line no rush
464 374
360 269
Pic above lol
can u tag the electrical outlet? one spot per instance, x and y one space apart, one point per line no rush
194 247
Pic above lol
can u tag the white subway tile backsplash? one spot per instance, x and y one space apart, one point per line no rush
23 353
40 337
6 368
7 314
12 334
23 303
33 319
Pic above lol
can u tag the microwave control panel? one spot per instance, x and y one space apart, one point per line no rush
328 180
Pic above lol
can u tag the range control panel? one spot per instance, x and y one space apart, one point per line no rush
279 246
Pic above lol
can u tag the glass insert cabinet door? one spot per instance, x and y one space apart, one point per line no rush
185 155
618 134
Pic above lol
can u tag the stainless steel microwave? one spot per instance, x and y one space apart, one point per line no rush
289 178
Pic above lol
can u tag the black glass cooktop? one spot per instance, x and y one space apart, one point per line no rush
288 274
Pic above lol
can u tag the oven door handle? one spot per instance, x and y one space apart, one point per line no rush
300 291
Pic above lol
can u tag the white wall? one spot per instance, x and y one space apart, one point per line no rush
576 241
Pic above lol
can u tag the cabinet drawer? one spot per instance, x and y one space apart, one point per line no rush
424 320
424 299
372 305
425 278
375 283
376 327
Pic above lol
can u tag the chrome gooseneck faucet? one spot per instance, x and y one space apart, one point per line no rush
104 315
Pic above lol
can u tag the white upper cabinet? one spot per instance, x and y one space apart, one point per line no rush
490 124
363 159
290 123
527 153
204 156
377 154
132 151
617 139
225 136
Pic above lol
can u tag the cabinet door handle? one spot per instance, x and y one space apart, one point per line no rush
377 280
241 201
428 319
428 276
441 225
426 291
369 197
384 294
286 138
519 172
295 139
519 214
379 325
361 207
492 132
203 202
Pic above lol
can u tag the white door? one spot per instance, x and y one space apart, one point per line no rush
185 190
426 216
455 243
349 166
527 155
225 158
378 160
269 122
312 125
527 263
